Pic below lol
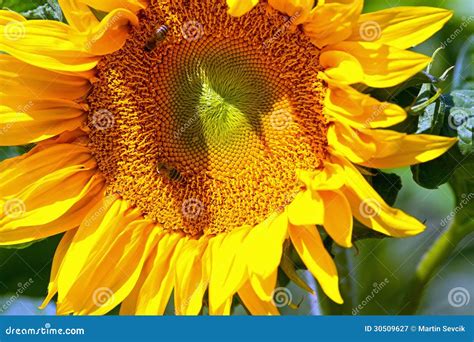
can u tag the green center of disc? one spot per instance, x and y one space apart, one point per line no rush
220 100
219 112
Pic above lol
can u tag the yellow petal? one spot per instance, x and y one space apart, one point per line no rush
332 21
17 77
156 290
254 304
397 150
385 148
112 32
78 15
110 5
298 10
267 240
337 217
310 248
129 305
376 65
238 8
190 278
44 43
223 310
229 266
264 287
96 231
24 120
40 221
347 141
96 290
307 208
326 179
16 173
349 106
370 209
401 27
47 192
341 66
56 46
57 261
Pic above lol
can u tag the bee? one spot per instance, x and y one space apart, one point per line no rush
158 37
170 172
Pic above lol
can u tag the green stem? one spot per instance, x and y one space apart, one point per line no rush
430 262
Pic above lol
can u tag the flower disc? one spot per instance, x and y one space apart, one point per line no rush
207 122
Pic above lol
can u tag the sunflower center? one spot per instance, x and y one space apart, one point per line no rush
219 112
201 120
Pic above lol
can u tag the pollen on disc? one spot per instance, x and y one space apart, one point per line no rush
212 123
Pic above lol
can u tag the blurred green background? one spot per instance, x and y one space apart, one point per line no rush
383 264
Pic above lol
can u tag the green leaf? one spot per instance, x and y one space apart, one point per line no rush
99 14
21 5
388 185
463 76
461 119
362 232
403 94
462 184
10 152
21 245
432 119
437 120
49 11
438 171
463 98
450 116
464 119
19 265
414 93
35 9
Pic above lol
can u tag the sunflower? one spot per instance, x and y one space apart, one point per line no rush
181 145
